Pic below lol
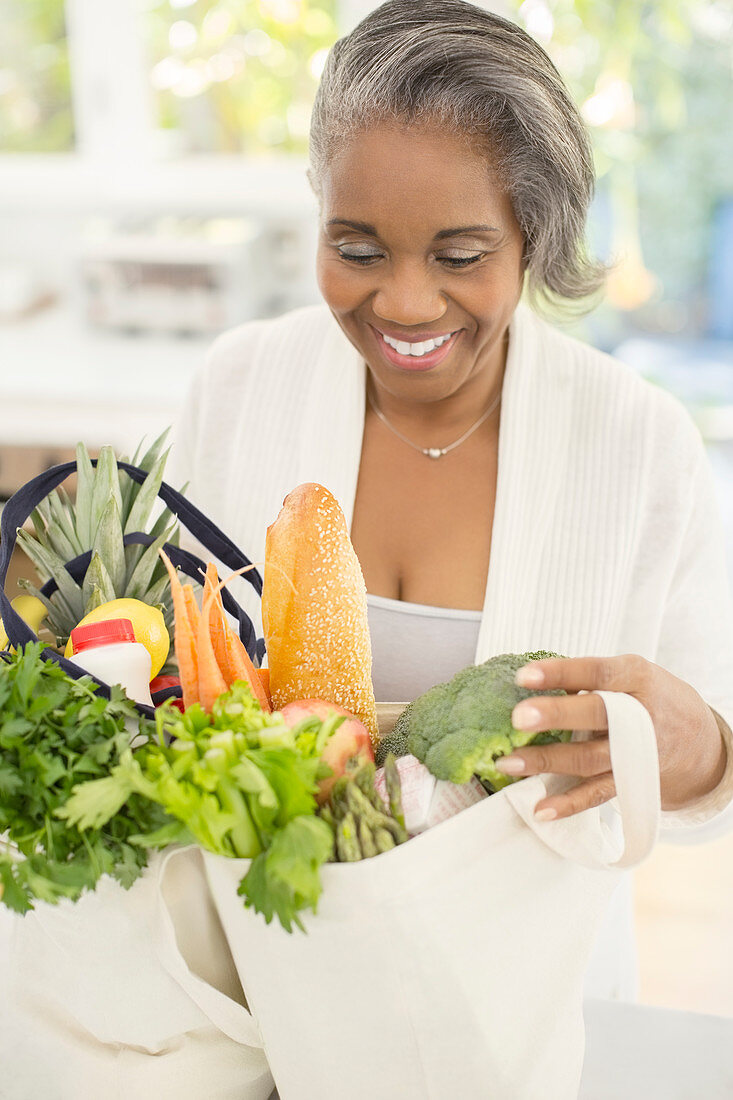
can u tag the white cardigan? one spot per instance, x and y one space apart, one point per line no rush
606 537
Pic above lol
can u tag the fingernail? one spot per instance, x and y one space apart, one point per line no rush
525 716
529 677
510 765
547 814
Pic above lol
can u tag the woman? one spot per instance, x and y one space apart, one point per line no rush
507 488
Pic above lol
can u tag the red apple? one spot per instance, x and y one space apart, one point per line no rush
346 750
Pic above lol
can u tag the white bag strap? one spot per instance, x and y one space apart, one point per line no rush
635 766
585 838
231 1018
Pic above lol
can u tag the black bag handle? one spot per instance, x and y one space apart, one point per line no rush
21 505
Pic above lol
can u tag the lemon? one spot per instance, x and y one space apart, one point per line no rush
30 609
148 627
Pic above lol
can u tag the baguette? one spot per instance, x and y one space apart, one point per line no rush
314 609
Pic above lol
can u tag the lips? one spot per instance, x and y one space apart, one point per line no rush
415 362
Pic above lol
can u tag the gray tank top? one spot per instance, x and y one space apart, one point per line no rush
415 646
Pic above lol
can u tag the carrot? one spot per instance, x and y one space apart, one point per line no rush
192 609
242 668
211 679
184 639
264 675
217 628
235 664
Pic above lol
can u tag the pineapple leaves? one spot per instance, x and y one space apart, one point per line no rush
138 583
84 493
97 583
146 497
106 488
61 532
108 505
108 545
155 597
130 488
49 564
151 456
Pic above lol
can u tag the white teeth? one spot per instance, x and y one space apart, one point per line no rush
417 349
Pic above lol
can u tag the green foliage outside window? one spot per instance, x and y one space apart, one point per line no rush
238 77
35 86
653 79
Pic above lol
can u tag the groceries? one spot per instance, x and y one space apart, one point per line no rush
458 729
108 506
287 789
210 655
31 611
56 733
428 801
366 821
348 747
314 612
238 782
108 650
148 626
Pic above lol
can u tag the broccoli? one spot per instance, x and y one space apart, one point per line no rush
396 739
458 729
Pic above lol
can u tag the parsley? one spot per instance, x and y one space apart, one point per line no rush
56 733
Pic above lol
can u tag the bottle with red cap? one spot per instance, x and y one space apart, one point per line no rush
108 650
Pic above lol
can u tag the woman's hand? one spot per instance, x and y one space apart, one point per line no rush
692 753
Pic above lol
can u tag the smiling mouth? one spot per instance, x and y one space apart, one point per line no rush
416 348
416 355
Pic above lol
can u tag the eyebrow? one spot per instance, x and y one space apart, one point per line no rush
364 227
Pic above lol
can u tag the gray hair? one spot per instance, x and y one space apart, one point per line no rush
451 63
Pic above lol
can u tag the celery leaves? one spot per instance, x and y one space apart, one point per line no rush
239 784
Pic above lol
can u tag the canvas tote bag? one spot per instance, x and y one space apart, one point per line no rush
451 966
127 994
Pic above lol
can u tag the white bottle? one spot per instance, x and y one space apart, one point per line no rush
109 651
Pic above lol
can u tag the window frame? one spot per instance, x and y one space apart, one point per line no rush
117 160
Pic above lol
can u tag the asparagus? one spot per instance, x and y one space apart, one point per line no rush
363 826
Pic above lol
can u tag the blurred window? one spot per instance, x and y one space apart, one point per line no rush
653 79
237 78
35 85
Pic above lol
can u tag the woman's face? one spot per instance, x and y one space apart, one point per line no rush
420 260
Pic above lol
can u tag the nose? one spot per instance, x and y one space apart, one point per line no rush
409 296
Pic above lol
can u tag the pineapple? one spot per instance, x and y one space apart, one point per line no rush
108 506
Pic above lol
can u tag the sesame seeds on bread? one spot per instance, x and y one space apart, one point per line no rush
314 609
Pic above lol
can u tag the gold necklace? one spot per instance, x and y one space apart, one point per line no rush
435 452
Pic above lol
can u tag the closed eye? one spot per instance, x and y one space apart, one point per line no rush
359 257
460 261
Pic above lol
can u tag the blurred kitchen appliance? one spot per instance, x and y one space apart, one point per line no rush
186 276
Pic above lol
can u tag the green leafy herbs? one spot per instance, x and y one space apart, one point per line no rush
56 733
238 782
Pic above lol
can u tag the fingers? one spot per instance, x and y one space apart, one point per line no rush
560 712
627 673
592 792
582 758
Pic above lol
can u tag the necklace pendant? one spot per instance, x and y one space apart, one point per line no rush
434 452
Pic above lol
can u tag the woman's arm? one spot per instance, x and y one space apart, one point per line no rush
688 691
